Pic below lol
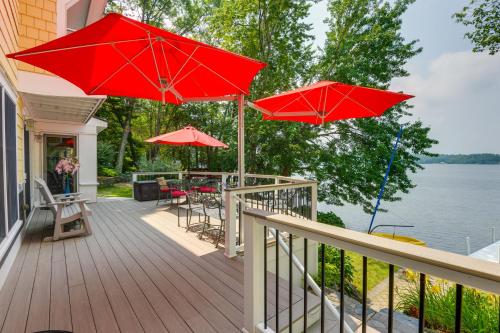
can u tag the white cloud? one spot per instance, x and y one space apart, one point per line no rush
458 96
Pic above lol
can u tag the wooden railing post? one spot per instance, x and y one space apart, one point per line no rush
230 232
314 201
253 281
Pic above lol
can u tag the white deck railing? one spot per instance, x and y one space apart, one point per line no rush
459 269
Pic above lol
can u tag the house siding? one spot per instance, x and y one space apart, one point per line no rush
37 25
9 37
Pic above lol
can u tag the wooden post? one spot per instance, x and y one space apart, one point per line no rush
230 232
253 281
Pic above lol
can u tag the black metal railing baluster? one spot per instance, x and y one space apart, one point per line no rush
322 288
305 285
290 286
458 308
421 305
277 279
265 277
390 318
365 293
342 287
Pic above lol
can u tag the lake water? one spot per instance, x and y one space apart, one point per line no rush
449 203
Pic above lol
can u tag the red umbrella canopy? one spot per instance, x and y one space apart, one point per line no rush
123 57
188 136
327 101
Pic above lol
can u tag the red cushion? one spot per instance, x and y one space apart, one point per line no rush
164 189
177 193
208 189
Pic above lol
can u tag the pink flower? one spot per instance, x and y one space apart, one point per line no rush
69 165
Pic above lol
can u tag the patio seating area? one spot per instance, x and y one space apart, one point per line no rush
137 272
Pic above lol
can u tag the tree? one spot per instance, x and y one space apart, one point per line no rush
272 31
364 46
484 17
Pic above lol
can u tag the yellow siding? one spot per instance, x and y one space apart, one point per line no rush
9 37
37 25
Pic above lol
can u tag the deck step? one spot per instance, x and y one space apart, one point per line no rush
313 315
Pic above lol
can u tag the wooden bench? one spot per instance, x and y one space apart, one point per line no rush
66 208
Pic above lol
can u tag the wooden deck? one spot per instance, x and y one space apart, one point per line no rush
138 272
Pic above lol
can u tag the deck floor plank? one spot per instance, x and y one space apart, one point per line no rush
39 313
17 314
60 308
9 287
81 310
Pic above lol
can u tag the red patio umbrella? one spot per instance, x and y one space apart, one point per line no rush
122 57
188 136
326 101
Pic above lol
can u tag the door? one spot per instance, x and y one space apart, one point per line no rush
57 147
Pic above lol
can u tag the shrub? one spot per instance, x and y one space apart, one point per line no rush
107 172
479 309
106 154
158 165
331 219
332 271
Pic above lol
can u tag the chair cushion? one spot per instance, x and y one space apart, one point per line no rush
207 189
177 193
165 189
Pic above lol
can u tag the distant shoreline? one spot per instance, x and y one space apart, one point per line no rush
481 159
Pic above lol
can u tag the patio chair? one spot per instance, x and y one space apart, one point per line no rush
190 206
212 207
163 189
66 208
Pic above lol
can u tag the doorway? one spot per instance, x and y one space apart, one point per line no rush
57 147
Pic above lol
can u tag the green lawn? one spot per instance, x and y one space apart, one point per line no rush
117 190
377 271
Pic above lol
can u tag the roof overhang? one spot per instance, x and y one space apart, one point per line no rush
49 97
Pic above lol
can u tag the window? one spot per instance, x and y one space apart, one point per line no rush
8 167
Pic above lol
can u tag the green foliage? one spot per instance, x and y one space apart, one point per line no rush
106 154
462 159
158 165
331 219
332 271
107 172
479 309
484 17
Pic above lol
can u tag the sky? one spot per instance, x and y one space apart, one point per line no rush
457 91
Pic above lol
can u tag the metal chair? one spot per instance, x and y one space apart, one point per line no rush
190 206
212 207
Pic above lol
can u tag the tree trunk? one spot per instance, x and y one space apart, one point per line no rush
124 141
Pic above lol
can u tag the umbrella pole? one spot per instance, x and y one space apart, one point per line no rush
241 141
382 188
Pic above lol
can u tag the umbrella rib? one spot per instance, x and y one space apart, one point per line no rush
352 100
117 71
80 47
166 62
208 68
135 66
154 58
292 101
